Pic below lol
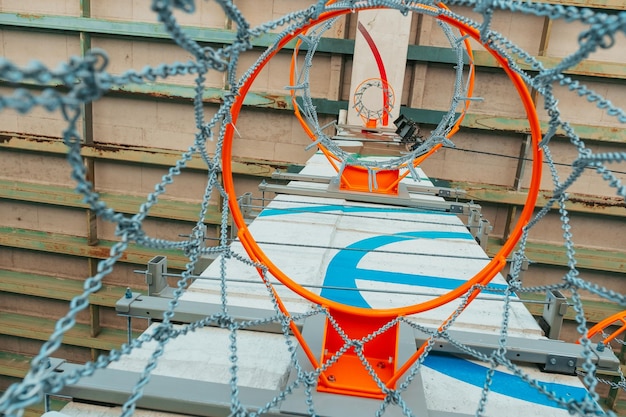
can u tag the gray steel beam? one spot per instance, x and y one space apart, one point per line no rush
401 200
143 306
524 350
519 349
411 188
169 394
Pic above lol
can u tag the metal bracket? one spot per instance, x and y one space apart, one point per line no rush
560 365
479 227
554 311
341 405
203 262
542 352
403 199
245 205
411 188
150 307
155 278
482 236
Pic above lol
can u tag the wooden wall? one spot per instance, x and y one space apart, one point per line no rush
49 241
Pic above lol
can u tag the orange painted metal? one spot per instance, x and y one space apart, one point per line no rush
598 328
355 179
348 375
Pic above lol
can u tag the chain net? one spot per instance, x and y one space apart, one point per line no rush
86 79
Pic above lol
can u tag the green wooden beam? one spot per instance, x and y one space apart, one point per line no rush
577 203
77 246
520 125
14 365
488 122
57 288
594 4
39 328
152 156
261 100
554 254
174 209
129 204
154 31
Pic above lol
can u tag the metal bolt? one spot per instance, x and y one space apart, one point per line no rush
128 293
381 365
552 361
600 347
570 363
331 378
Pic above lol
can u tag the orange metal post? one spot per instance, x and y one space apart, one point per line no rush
358 179
348 375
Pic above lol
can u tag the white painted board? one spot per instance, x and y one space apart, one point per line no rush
316 241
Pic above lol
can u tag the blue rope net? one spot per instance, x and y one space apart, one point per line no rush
86 80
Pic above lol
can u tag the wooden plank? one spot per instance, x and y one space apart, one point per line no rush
579 203
138 30
77 246
520 125
552 254
181 210
588 68
166 208
56 288
118 153
39 328
13 364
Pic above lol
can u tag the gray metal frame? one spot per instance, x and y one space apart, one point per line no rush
412 188
403 198
200 398
524 350
185 396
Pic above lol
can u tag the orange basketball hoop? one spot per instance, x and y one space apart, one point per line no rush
356 177
359 322
599 328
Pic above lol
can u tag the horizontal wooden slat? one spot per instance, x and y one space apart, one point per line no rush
146 30
576 203
13 364
553 254
123 203
118 153
56 288
39 328
167 208
77 246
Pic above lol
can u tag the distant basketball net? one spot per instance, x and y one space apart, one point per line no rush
349 328
374 87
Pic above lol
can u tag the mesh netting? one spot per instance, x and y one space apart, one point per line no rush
86 79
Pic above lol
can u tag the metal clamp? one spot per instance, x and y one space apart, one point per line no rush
554 311
156 280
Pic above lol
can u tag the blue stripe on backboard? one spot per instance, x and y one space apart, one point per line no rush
343 271
503 383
